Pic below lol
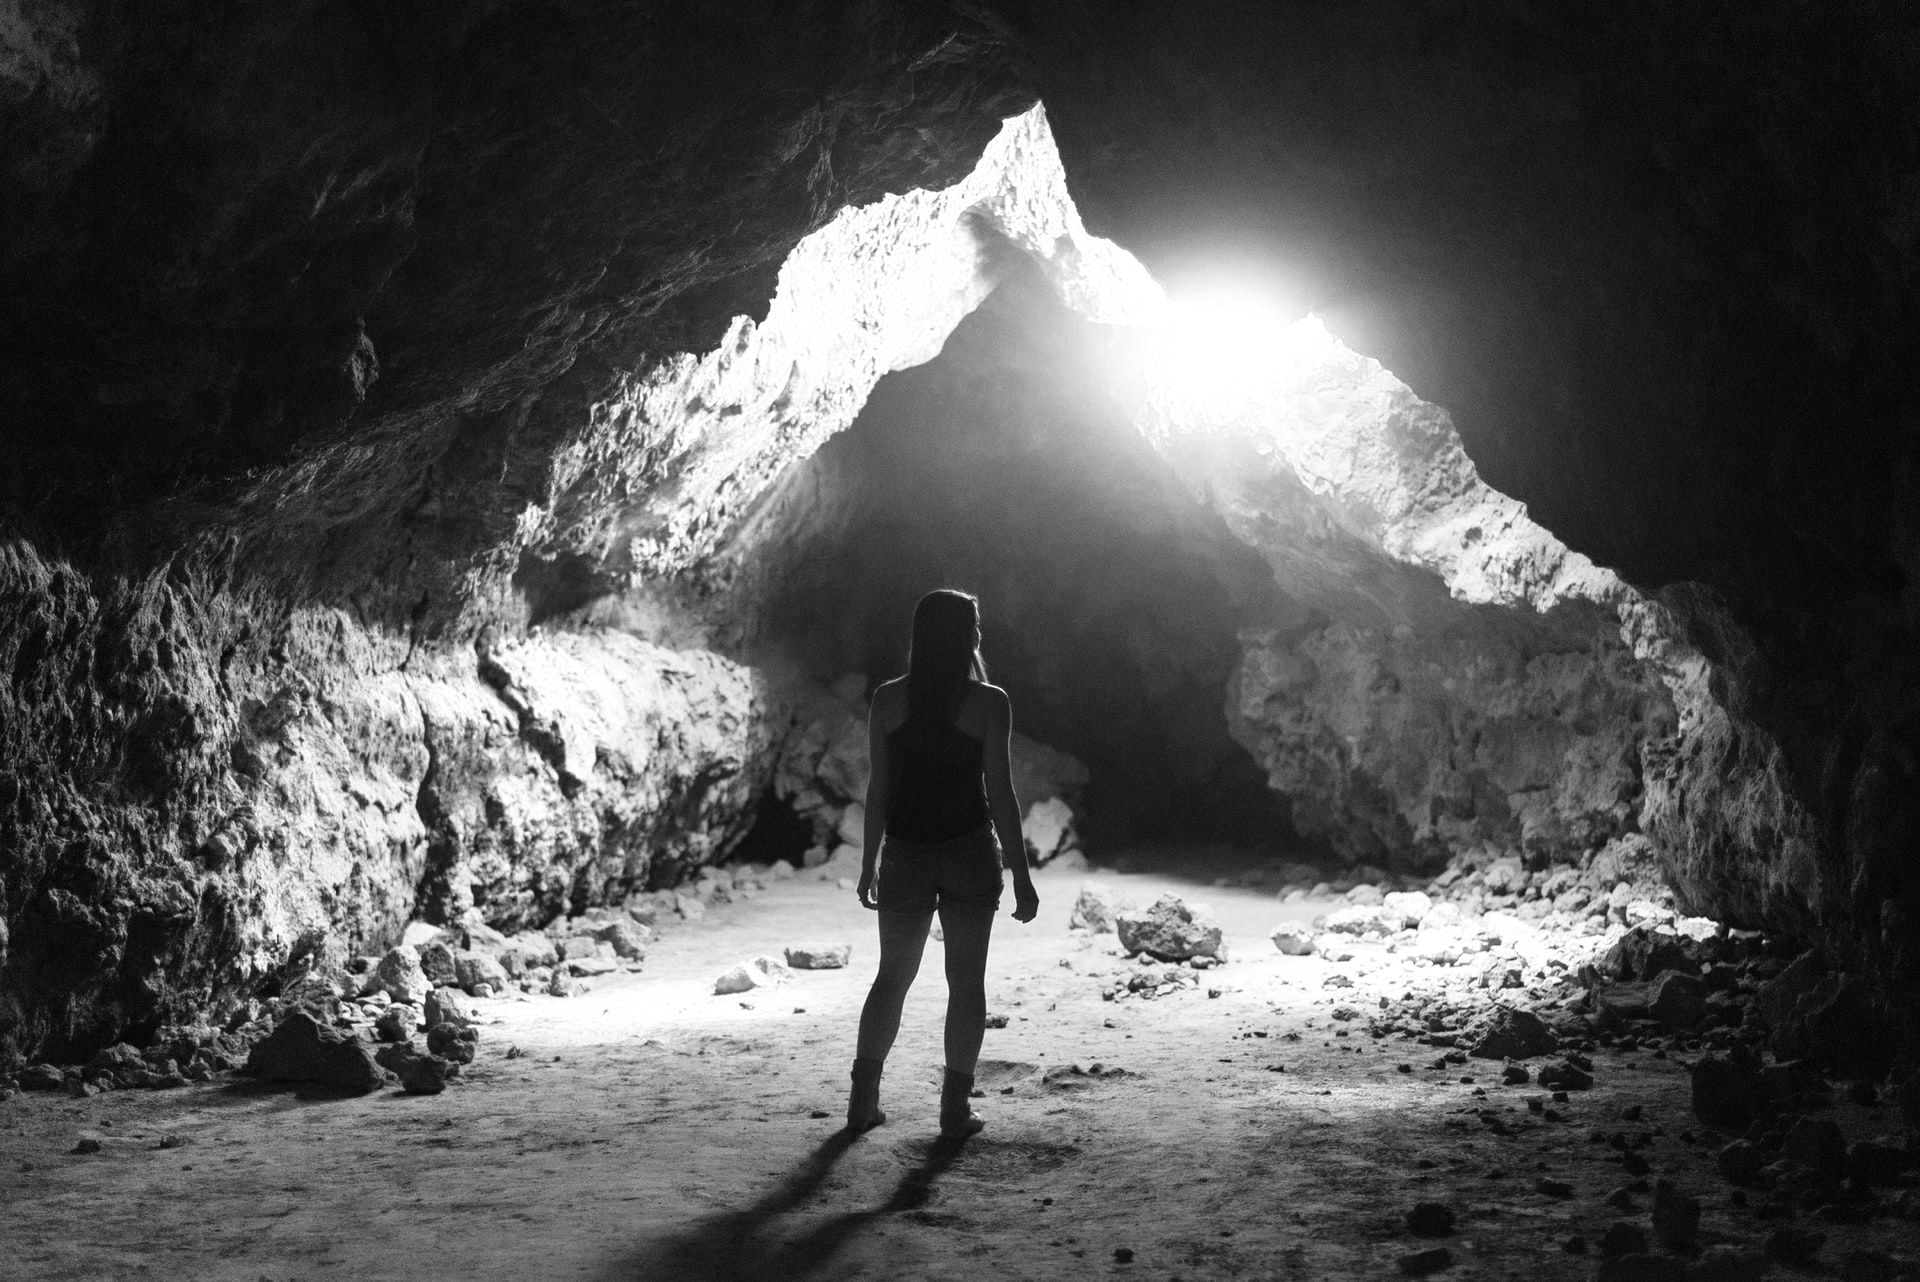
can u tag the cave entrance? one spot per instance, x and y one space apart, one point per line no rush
1112 600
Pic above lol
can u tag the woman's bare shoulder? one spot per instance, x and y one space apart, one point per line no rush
989 696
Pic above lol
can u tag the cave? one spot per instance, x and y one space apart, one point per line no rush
1439 484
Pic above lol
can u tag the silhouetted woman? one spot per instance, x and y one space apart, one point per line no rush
941 788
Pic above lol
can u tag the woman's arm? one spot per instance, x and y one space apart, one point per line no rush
1005 807
878 782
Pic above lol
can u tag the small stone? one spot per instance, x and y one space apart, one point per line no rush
455 1042
396 1023
1292 940
1122 1255
760 972
1677 1000
1553 1188
819 956
1621 1199
86 1146
1430 1219
688 906
1623 1238
1514 1075
1432 1260
564 985
1565 1076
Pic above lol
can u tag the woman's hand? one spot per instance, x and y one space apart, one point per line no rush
1026 902
866 890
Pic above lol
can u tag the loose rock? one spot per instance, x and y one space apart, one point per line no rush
1097 909
1431 1219
419 1074
819 956
760 972
1517 1034
448 1006
400 977
1432 1260
455 1042
1292 940
1171 930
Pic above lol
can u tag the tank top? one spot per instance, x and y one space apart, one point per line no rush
938 789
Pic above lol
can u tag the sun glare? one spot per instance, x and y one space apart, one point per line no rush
1227 348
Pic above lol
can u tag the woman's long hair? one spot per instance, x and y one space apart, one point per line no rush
943 654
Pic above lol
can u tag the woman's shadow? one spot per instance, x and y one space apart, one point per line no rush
740 1245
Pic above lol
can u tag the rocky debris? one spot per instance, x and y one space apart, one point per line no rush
690 907
819 956
1816 1143
1431 1219
1097 909
447 1006
1837 1020
397 1023
1170 930
759 972
1408 907
1516 1034
301 1049
1643 953
561 984
1291 940
457 1043
419 1074
400 976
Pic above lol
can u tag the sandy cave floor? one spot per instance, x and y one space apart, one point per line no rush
651 1130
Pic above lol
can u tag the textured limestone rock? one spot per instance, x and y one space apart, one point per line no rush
400 977
1096 908
759 972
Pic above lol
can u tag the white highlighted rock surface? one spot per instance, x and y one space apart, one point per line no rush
763 971
1048 828
1097 909
1292 939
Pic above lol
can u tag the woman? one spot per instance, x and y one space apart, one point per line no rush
941 788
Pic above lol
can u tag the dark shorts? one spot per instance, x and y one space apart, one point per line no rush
919 876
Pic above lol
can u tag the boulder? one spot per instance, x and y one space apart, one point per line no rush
115 1059
1097 909
471 970
448 1006
436 962
1170 930
42 1077
400 977
1515 1034
302 1049
628 937
819 956
1678 1000
1362 919
522 953
418 934
1292 939
455 1042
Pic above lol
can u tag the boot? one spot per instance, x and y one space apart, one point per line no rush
863 1104
957 1118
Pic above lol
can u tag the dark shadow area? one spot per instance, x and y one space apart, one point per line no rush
743 1246
779 834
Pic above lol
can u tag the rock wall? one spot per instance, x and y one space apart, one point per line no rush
1401 749
203 786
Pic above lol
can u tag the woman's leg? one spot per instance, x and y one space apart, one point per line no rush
903 937
967 928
